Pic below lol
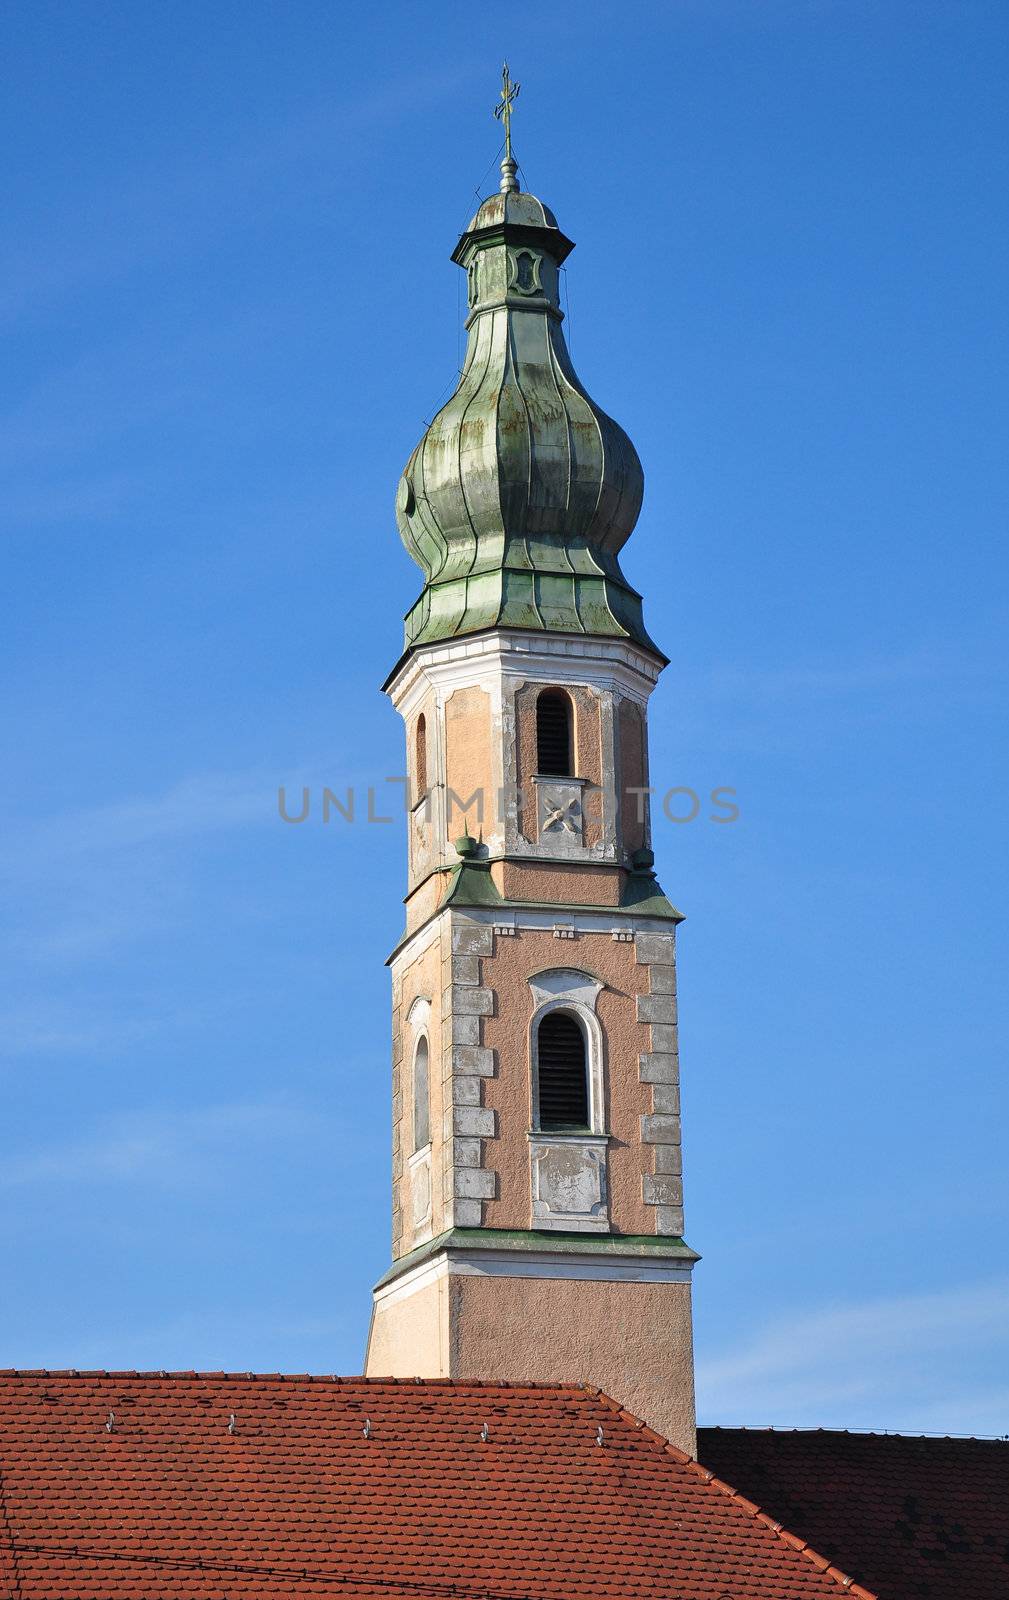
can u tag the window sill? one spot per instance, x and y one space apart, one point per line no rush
574 1135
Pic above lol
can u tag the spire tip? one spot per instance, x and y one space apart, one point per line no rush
503 112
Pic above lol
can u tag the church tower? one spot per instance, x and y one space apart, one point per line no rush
537 1192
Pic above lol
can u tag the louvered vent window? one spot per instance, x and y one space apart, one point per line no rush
553 734
563 1078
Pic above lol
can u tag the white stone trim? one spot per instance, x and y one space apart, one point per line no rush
533 1264
416 945
614 664
522 918
555 982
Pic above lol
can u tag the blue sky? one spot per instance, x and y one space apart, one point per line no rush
228 308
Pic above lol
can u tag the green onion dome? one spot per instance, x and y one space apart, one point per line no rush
522 492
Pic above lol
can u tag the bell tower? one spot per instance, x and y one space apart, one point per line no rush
537 1190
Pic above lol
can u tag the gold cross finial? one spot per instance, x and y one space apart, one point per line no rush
503 109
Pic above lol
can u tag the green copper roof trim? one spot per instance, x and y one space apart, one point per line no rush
543 601
642 1246
654 905
471 884
642 891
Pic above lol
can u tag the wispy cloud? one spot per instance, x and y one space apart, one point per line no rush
159 1146
914 1362
82 882
200 804
83 886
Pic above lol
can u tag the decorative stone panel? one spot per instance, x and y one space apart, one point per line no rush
420 1191
559 812
569 1182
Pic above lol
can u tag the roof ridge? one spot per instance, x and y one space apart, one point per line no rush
853 1433
844 1579
572 1388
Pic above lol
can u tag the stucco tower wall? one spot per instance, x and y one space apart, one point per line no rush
468 1319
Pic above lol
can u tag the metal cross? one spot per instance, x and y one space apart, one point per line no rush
503 109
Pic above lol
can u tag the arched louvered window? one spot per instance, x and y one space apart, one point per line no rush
420 757
553 734
421 1096
562 1074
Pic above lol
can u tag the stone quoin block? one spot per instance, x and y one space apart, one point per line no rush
654 949
473 1058
473 1183
475 1121
465 1030
472 939
466 1153
662 980
659 1190
465 1091
472 1002
655 1008
669 1220
466 969
468 1213
664 1037
665 1097
659 1130
668 1158
657 1067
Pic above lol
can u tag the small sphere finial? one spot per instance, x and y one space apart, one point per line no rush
509 180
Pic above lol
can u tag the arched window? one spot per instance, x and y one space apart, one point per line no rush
421 1096
562 1086
420 757
553 734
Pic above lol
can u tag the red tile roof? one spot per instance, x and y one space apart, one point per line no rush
211 1485
912 1518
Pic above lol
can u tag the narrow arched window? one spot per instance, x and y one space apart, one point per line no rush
420 757
553 734
562 1074
421 1096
